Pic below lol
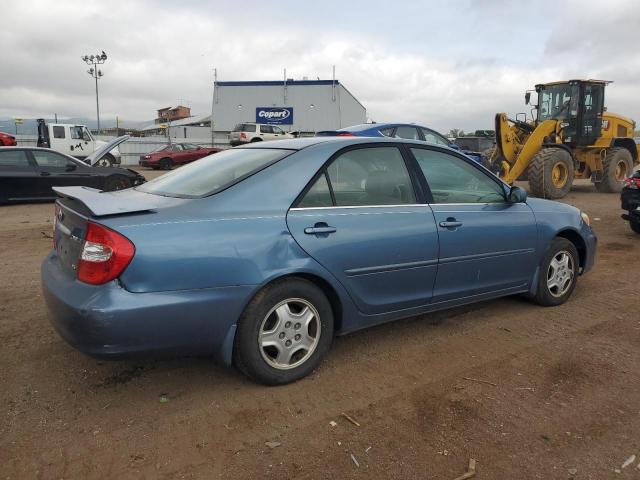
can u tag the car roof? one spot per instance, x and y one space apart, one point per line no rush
367 126
300 143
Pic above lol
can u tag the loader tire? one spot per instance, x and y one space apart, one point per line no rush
550 173
617 165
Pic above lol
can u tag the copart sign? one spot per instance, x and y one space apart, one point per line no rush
275 115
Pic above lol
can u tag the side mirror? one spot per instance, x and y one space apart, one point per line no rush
71 167
517 195
527 98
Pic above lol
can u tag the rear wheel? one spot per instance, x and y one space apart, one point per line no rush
634 223
616 166
284 332
550 173
116 182
255 139
165 164
558 273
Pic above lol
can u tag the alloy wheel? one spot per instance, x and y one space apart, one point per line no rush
560 273
289 333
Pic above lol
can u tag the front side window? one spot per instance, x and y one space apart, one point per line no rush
50 159
266 129
410 133
278 130
13 158
371 176
214 173
452 180
76 133
58 132
176 147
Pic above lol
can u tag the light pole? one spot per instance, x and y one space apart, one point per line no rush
95 72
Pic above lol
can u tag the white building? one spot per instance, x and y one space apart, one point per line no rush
296 105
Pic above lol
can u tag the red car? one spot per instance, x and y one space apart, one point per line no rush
175 154
7 140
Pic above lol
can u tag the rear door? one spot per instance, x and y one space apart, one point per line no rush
363 221
56 170
18 177
487 245
266 132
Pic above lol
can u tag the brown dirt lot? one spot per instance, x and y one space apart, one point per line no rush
566 393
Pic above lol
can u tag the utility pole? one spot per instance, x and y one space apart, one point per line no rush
96 73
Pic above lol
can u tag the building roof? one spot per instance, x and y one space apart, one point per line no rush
183 122
276 83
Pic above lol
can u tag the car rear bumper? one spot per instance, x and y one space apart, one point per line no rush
107 321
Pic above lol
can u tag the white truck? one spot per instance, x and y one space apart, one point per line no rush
74 140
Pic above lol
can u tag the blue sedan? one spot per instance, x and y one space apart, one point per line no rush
262 254
408 131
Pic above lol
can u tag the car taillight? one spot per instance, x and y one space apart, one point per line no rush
104 256
632 182
345 134
243 135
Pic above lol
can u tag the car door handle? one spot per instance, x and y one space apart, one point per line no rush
44 174
450 224
319 229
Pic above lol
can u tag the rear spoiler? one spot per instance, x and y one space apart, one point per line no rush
108 203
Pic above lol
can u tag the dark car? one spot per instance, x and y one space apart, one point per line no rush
175 154
407 131
7 140
630 200
29 173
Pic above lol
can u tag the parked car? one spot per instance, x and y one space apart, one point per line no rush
175 154
30 173
630 200
249 132
7 140
408 131
262 254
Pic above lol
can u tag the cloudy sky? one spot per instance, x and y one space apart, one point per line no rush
444 64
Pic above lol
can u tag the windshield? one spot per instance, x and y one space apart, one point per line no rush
557 102
213 173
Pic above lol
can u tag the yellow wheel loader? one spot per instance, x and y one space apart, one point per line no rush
572 136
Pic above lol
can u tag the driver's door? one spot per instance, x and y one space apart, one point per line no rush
487 245
56 170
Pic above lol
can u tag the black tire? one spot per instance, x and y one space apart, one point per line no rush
251 358
617 164
545 295
255 139
543 182
107 161
634 223
165 163
116 182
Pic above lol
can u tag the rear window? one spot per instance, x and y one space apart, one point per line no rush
213 173
245 127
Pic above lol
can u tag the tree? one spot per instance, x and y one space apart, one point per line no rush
456 132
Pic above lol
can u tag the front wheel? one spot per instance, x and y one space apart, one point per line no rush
634 223
106 161
116 182
284 332
558 273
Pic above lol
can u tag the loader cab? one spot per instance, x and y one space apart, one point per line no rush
577 104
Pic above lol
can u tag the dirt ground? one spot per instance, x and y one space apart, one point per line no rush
531 393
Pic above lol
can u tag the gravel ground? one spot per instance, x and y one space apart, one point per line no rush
531 393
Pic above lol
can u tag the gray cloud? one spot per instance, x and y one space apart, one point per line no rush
452 65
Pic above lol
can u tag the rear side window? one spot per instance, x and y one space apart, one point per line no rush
213 173
13 158
245 127
363 177
266 129
58 132
410 133
387 132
